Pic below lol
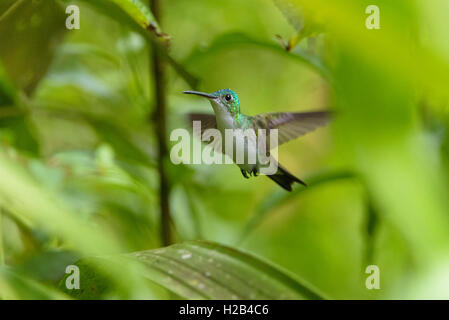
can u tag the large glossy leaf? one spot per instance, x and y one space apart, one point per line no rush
206 270
29 33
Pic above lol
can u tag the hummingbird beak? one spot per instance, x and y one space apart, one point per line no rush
202 94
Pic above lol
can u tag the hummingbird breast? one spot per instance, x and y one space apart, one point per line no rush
242 148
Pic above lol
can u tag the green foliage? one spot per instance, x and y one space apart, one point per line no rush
201 270
278 198
306 22
233 40
78 154
30 32
7 90
16 286
131 12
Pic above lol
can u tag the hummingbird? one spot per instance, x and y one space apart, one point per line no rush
226 106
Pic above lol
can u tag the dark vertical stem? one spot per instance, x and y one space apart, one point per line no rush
160 120
371 226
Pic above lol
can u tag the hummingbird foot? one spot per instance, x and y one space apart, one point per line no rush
255 172
244 173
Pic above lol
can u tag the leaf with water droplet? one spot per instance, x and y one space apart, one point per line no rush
206 270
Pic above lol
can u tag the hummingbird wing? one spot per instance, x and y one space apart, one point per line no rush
290 125
208 121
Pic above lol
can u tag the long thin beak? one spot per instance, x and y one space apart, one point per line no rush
202 94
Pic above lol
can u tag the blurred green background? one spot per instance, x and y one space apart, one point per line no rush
79 172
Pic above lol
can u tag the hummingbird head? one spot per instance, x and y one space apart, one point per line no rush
222 101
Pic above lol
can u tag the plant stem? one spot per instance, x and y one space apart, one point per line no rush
158 70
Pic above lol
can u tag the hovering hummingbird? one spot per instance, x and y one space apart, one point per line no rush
290 125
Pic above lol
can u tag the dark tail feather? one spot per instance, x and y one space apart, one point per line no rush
285 179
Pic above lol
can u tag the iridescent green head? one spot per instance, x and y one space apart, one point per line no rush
222 100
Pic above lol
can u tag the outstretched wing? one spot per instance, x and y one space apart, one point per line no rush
208 121
290 125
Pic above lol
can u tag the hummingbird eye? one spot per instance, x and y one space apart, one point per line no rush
228 97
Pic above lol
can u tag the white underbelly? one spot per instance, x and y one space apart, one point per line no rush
242 149
245 153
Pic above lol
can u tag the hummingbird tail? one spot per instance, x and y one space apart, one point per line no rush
285 179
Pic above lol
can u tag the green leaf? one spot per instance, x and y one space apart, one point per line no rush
8 94
304 21
78 50
93 284
15 126
18 131
137 16
46 211
14 285
142 15
206 270
293 13
132 12
29 33
5 5
232 40
396 46
119 139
